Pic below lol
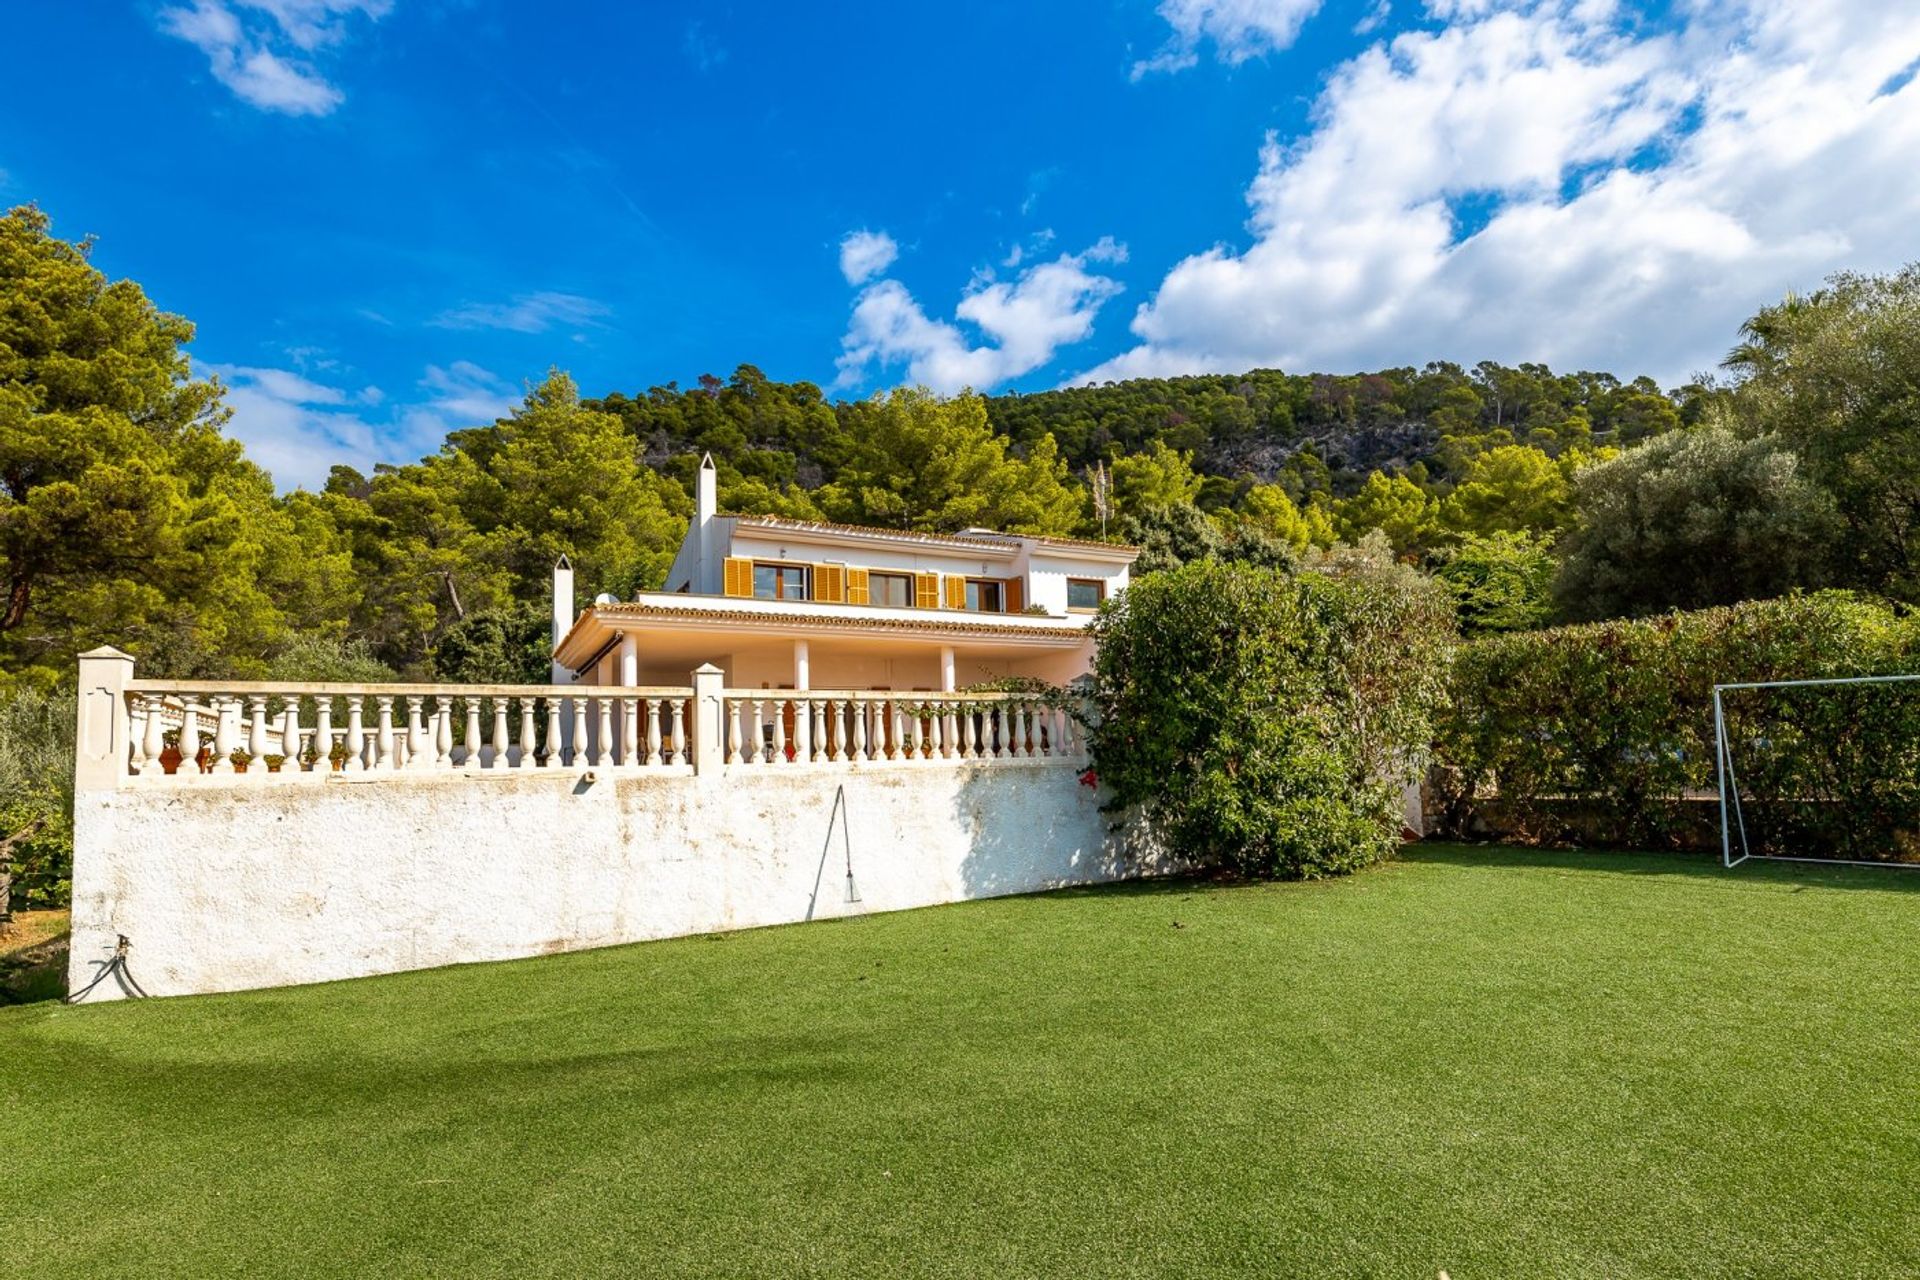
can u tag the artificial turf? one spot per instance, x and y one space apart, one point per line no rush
1488 1062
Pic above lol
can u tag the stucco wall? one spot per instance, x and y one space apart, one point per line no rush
222 888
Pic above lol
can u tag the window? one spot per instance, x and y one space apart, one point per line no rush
983 596
1085 593
779 581
892 589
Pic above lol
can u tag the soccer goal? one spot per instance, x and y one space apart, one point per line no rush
1819 770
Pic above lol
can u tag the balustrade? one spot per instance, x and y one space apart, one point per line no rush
184 730
778 726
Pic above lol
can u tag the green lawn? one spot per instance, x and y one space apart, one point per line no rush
1499 1063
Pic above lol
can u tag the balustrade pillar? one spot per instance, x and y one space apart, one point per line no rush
497 748
323 735
577 749
383 740
226 713
257 734
521 753
189 738
602 752
650 712
678 710
356 761
629 731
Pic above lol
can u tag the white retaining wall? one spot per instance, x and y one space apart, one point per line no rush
225 887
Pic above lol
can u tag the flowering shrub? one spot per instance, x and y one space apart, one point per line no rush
1266 721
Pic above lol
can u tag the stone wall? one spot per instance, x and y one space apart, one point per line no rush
228 886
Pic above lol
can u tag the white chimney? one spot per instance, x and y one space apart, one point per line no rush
706 502
562 613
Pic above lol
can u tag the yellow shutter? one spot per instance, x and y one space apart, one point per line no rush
1015 595
736 577
858 589
956 592
830 583
926 591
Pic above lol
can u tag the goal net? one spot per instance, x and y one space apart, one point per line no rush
1820 770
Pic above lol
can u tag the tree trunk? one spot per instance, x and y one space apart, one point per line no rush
7 844
18 592
453 594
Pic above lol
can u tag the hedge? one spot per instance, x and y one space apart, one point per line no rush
1613 723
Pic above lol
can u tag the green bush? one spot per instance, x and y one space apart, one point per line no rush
36 797
1265 721
1615 720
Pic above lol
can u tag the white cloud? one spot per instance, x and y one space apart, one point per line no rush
1026 320
865 254
1549 182
1374 18
259 49
1239 30
298 428
526 313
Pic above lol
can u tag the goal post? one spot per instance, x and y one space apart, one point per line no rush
1834 767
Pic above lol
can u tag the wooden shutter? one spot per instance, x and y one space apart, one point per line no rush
859 590
736 576
1013 593
830 583
926 591
956 591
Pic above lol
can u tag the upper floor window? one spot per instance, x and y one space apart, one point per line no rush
892 589
779 581
1085 593
984 595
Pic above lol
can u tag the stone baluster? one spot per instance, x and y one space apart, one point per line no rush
494 754
189 739
756 737
137 732
731 713
256 734
629 731
223 736
802 730
442 731
154 735
603 740
860 708
650 711
679 727
520 755
383 739
323 736
290 736
416 733
356 761
549 756
833 733
780 732
470 748
578 751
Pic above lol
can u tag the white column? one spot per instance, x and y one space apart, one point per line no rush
707 683
104 732
946 669
629 659
562 614
802 665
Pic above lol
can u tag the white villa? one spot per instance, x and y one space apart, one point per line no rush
787 604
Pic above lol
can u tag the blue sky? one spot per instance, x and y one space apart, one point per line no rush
386 215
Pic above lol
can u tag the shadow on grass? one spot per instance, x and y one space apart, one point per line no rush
1893 878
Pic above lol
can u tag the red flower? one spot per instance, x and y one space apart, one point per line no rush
1089 779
